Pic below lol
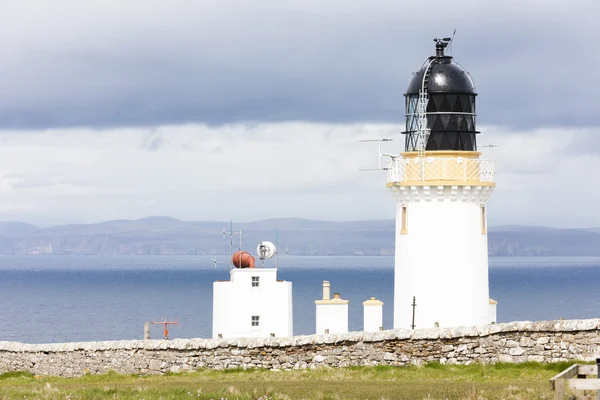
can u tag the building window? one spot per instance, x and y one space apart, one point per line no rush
255 320
255 281
404 229
483 222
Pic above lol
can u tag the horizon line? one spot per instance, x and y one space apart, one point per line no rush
266 220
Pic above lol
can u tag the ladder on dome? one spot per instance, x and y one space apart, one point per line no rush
422 122
423 134
423 100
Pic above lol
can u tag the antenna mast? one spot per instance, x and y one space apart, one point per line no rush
451 41
379 141
276 248
231 232
165 325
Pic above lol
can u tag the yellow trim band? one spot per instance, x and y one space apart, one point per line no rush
439 182
332 301
444 154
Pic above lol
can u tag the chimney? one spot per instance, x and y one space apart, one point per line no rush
336 296
326 290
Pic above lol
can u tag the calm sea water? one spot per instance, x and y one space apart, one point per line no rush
79 298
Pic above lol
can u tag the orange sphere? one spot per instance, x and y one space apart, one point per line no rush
242 259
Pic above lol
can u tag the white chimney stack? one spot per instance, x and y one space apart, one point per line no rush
332 314
326 290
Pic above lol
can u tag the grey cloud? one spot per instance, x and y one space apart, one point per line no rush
41 179
33 184
255 177
152 141
115 64
587 142
40 182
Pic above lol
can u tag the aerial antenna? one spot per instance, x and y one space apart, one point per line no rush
165 323
379 168
451 41
231 232
276 248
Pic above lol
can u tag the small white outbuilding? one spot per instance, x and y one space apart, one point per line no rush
253 303
332 314
373 315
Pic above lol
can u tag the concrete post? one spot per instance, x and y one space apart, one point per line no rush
147 331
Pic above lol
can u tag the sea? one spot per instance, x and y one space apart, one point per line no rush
49 299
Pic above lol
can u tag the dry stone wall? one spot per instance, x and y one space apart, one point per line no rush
544 341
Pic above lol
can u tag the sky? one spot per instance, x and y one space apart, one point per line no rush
219 109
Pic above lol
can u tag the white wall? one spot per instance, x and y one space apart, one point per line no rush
492 316
236 301
372 318
442 261
333 317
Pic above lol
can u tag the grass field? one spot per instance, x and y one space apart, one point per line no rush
432 381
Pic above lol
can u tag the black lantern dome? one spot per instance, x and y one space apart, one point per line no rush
450 112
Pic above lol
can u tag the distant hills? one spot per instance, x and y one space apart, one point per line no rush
169 236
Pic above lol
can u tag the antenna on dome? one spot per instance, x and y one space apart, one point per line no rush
440 45
451 42
379 168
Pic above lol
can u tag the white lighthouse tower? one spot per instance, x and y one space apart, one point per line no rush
441 186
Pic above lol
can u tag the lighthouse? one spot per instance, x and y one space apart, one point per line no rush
441 185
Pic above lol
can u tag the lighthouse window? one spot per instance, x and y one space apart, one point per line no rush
255 320
404 229
450 119
483 223
255 281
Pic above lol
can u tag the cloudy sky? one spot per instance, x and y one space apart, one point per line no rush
218 109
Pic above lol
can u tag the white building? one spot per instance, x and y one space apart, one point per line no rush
331 314
253 303
441 186
372 315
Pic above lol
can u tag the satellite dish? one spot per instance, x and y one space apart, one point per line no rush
265 250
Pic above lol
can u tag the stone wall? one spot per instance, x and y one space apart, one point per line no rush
544 341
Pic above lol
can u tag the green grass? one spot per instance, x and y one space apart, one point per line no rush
16 374
432 381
